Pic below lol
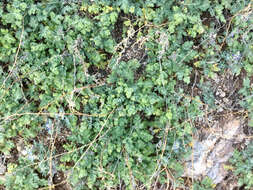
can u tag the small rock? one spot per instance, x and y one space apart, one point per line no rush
220 93
226 100
215 77
24 152
220 109
20 145
2 169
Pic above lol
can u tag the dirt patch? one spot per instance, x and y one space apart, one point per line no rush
117 32
59 181
134 50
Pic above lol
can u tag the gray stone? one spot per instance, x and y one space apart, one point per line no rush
211 154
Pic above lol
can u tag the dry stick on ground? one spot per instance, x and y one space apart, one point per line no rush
53 186
161 156
132 181
50 114
52 143
64 153
123 44
89 146
92 142
247 10
26 74
53 157
101 169
64 94
168 179
41 113
3 118
16 56
192 155
72 93
14 64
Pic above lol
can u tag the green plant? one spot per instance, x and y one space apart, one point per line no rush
109 82
27 178
205 184
243 166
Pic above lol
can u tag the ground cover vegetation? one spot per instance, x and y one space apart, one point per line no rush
102 94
